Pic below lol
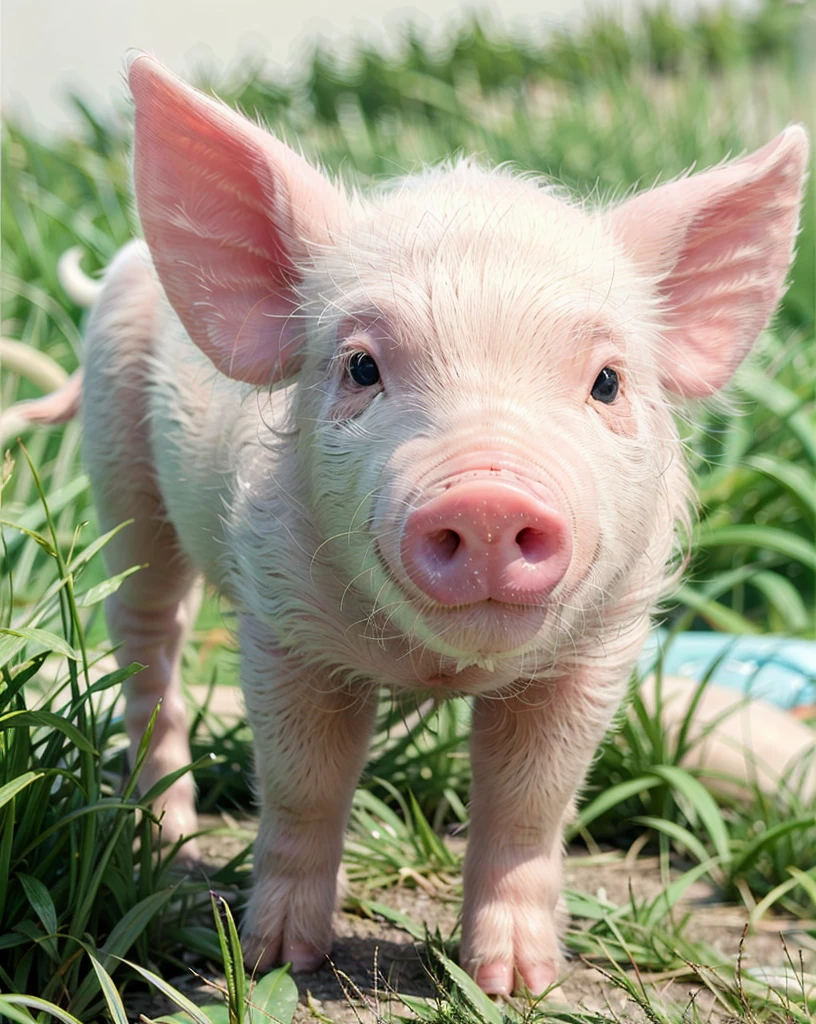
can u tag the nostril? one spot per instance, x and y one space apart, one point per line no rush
536 545
481 540
443 545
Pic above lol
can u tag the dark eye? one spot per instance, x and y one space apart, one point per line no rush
363 370
606 386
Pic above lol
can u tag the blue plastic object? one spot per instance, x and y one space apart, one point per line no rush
777 669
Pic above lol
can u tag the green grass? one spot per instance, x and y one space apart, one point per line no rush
68 838
83 891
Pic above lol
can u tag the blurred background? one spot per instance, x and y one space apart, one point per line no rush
51 47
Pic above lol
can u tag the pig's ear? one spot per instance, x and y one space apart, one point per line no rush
229 213
720 244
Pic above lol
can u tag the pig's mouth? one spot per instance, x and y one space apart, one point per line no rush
479 635
476 649
482 634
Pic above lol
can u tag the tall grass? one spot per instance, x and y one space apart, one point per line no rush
67 857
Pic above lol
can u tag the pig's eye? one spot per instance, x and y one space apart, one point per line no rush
363 370
606 386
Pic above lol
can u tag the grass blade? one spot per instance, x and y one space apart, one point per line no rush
488 1011
11 789
702 802
113 1000
8 1002
183 1003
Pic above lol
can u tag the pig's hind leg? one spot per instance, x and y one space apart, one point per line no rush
151 613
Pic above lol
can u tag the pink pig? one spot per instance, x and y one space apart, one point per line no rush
422 438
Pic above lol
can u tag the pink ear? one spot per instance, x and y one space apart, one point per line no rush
227 212
720 244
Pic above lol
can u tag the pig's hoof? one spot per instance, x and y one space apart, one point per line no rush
289 920
188 855
501 979
510 931
261 954
178 819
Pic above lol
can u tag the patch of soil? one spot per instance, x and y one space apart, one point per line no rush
707 922
372 959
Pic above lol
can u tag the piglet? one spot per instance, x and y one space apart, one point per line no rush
422 439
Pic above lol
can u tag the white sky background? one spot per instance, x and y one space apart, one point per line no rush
48 46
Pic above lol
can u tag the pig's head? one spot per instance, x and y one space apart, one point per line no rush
486 370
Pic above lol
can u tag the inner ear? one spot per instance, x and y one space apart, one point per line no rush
230 215
719 245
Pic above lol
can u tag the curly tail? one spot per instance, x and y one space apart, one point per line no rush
80 289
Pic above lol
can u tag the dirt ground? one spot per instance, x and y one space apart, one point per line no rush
372 959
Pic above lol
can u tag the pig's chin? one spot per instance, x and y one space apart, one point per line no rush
473 649
467 648
485 630
476 650
480 648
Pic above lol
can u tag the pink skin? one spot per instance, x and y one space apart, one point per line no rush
484 539
474 520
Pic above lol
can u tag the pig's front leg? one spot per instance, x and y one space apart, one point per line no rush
311 737
530 753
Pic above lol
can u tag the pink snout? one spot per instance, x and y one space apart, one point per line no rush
486 539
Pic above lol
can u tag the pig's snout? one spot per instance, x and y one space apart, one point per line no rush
486 539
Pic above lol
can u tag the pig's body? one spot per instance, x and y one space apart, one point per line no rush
470 484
